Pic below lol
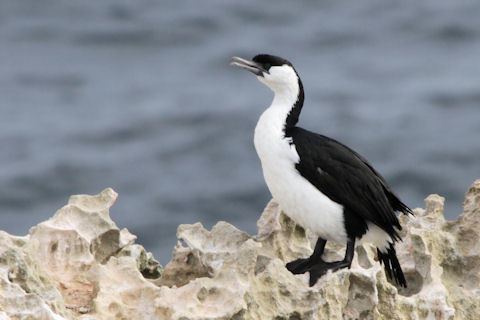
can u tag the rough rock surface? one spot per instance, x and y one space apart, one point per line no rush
79 265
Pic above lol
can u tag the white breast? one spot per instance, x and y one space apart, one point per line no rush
297 197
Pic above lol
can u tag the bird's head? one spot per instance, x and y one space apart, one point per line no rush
276 73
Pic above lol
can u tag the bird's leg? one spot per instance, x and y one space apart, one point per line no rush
302 265
321 267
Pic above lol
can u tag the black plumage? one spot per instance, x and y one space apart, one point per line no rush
348 179
338 172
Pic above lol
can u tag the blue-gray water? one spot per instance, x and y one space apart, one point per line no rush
138 95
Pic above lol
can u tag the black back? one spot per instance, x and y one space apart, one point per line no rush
347 179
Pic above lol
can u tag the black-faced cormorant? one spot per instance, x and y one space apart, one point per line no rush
320 183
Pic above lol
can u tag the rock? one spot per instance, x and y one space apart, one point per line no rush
57 270
79 265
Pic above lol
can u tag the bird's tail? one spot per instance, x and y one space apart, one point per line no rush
392 266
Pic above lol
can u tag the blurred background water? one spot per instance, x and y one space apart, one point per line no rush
138 95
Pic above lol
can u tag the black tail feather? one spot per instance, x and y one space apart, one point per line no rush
392 266
396 203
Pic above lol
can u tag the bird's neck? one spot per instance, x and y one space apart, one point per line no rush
287 104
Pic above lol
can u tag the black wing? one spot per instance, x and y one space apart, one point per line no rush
348 179
395 202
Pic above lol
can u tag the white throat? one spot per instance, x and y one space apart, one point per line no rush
286 86
270 141
284 83
285 98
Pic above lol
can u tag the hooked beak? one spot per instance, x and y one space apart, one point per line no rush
255 68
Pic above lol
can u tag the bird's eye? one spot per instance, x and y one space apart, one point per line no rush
266 66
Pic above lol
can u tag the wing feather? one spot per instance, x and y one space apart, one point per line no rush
348 179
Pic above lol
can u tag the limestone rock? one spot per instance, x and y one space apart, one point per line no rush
79 265
56 271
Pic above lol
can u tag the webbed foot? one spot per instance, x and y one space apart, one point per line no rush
299 266
320 267
302 265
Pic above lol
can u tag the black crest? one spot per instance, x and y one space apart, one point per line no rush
267 61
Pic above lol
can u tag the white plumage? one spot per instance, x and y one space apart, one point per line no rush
297 197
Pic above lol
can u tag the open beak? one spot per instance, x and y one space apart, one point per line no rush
255 68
